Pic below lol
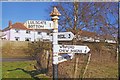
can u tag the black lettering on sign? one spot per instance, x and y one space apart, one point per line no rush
67 50
63 50
69 35
37 22
39 26
44 22
30 22
31 26
60 46
76 51
61 36
64 46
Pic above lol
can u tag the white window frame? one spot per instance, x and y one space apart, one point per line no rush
17 30
27 39
17 38
27 31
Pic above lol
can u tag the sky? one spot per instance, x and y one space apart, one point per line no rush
23 11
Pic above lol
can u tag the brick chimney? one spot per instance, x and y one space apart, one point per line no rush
10 24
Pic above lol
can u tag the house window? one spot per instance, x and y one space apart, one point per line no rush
17 38
39 32
39 39
27 39
17 30
27 31
50 24
47 33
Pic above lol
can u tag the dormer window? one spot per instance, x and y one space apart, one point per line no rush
27 31
17 30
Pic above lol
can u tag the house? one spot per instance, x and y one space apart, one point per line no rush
107 38
19 32
1 34
88 36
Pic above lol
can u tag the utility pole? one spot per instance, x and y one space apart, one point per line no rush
54 14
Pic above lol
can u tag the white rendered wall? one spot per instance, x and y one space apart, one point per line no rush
7 35
22 35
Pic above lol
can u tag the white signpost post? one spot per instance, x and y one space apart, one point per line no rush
71 49
54 14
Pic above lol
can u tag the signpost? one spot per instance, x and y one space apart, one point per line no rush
65 36
71 49
64 57
55 13
61 36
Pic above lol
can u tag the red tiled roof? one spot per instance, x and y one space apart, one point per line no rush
19 26
87 33
106 36
84 33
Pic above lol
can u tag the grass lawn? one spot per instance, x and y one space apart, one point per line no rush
23 69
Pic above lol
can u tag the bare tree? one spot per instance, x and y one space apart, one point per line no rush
99 17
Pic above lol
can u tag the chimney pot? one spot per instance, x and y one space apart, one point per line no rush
10 23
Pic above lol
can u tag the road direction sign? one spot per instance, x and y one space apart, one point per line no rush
65 57
39 24
71 49
65 36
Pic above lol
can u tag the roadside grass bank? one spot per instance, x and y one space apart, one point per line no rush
103 62
13 49
23 69
102 70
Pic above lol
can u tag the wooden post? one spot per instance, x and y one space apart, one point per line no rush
117 54
47 55
88 61
76 67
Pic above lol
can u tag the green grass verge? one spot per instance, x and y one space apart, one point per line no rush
0 69
21 69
